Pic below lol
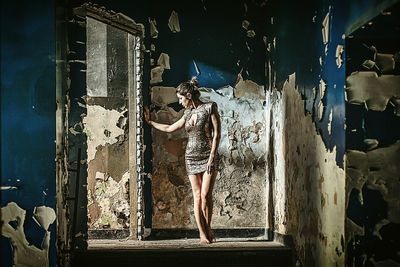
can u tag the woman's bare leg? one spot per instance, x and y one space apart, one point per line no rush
196 183
207 202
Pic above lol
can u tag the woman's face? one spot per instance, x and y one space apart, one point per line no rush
183 100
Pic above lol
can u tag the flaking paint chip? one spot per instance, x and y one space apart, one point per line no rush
173 22
325 29
163 61
153 28
245 24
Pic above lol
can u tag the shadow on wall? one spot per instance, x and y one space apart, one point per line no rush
308 186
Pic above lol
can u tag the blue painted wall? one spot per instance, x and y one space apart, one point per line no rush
28 113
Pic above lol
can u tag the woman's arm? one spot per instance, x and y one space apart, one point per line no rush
163 127
216 123
166 127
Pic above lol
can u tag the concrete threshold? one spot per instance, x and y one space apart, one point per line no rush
184 244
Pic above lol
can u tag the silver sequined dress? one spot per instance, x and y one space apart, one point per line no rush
199 143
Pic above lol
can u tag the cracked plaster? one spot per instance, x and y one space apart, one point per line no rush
238 200
308 187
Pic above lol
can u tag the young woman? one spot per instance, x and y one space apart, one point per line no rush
202 123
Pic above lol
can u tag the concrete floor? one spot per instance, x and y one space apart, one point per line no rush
184 244
226 252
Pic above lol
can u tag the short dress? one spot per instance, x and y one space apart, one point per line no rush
199 143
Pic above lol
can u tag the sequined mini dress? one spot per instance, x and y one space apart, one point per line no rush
199 143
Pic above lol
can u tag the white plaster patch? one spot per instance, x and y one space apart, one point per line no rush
163 61
339 52
325 29
97 122
111 197
44 216
322 88
156 75
330 122
173 22
373 90
380 169
248 89
247 113
25 254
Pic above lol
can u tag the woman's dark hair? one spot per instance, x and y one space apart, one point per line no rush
191 87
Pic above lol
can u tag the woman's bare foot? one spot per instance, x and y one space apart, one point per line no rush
211 236
204 240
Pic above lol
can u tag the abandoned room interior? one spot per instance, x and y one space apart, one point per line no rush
308 94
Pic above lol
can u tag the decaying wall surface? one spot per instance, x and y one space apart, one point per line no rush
239 192
108 176
373 143
12 227
106 125
309 188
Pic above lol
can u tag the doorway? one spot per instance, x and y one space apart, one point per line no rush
104 124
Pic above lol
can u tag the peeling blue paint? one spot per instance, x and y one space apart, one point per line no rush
28 113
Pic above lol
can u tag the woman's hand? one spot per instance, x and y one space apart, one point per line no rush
210 165
146 113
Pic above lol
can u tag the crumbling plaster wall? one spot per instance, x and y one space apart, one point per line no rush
373 144
318 62
239 192
108 176
225 51
308 185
